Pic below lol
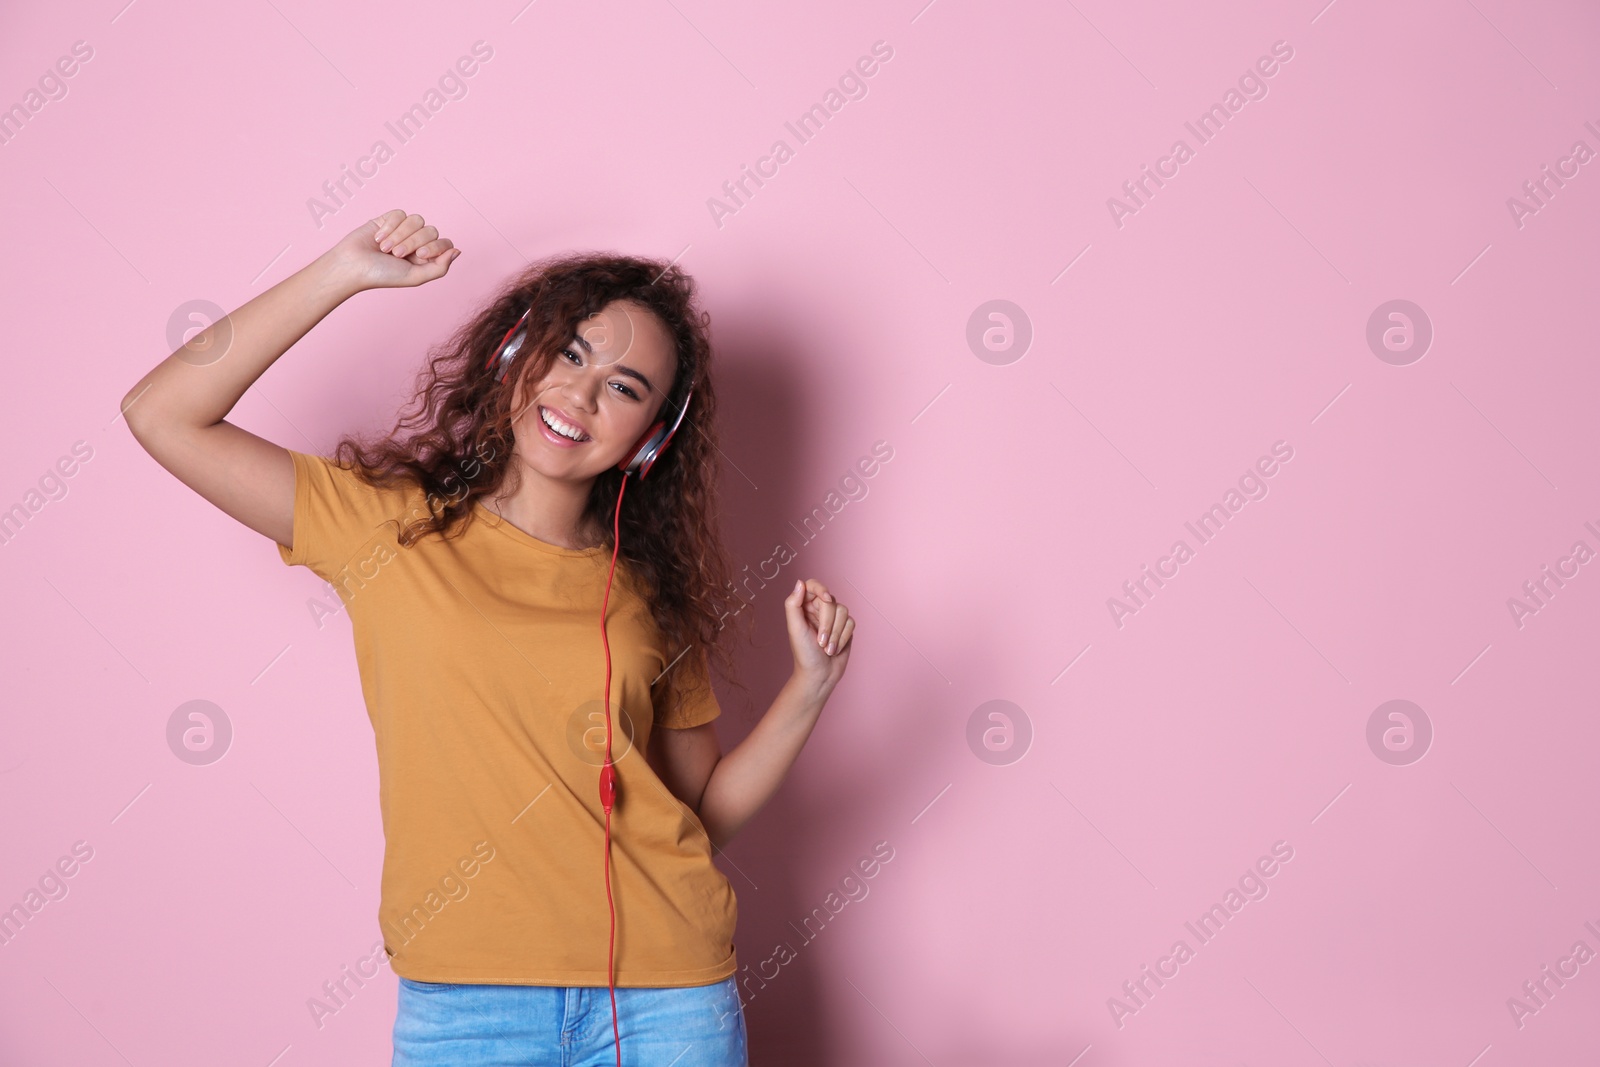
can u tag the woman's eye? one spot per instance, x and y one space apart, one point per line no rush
577 361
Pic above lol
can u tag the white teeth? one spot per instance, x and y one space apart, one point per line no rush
560 427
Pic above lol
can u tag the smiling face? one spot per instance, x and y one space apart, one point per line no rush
602 392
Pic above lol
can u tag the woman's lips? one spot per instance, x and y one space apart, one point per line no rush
553 437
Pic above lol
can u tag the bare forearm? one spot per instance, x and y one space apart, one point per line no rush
745 779
199 384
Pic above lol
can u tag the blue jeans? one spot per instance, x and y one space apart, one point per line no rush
462 1025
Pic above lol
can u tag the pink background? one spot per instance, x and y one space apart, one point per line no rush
1228 313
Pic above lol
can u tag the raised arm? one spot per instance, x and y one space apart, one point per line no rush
177 412
727 791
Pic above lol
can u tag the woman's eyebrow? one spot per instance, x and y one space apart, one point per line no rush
620 369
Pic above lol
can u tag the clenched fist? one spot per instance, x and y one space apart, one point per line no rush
394 250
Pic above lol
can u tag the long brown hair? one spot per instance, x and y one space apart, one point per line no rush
454 439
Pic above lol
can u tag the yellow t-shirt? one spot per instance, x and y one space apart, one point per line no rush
482 668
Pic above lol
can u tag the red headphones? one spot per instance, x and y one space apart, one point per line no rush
638 461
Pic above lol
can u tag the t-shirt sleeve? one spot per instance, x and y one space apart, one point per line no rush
698 704
336 513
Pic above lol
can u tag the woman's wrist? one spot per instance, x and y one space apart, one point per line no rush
812 685
334 275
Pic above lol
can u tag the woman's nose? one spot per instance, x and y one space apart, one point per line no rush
582 390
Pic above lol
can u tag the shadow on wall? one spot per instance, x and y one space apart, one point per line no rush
836 802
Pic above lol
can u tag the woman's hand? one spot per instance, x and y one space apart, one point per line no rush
820 629
393 250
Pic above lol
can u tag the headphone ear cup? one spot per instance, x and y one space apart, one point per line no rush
648 449
501 363
500 359
643 454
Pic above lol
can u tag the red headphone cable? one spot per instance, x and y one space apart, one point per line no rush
642 456
608 776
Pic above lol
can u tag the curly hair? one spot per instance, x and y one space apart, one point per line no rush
459 423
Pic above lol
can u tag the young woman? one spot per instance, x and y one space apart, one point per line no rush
532 886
